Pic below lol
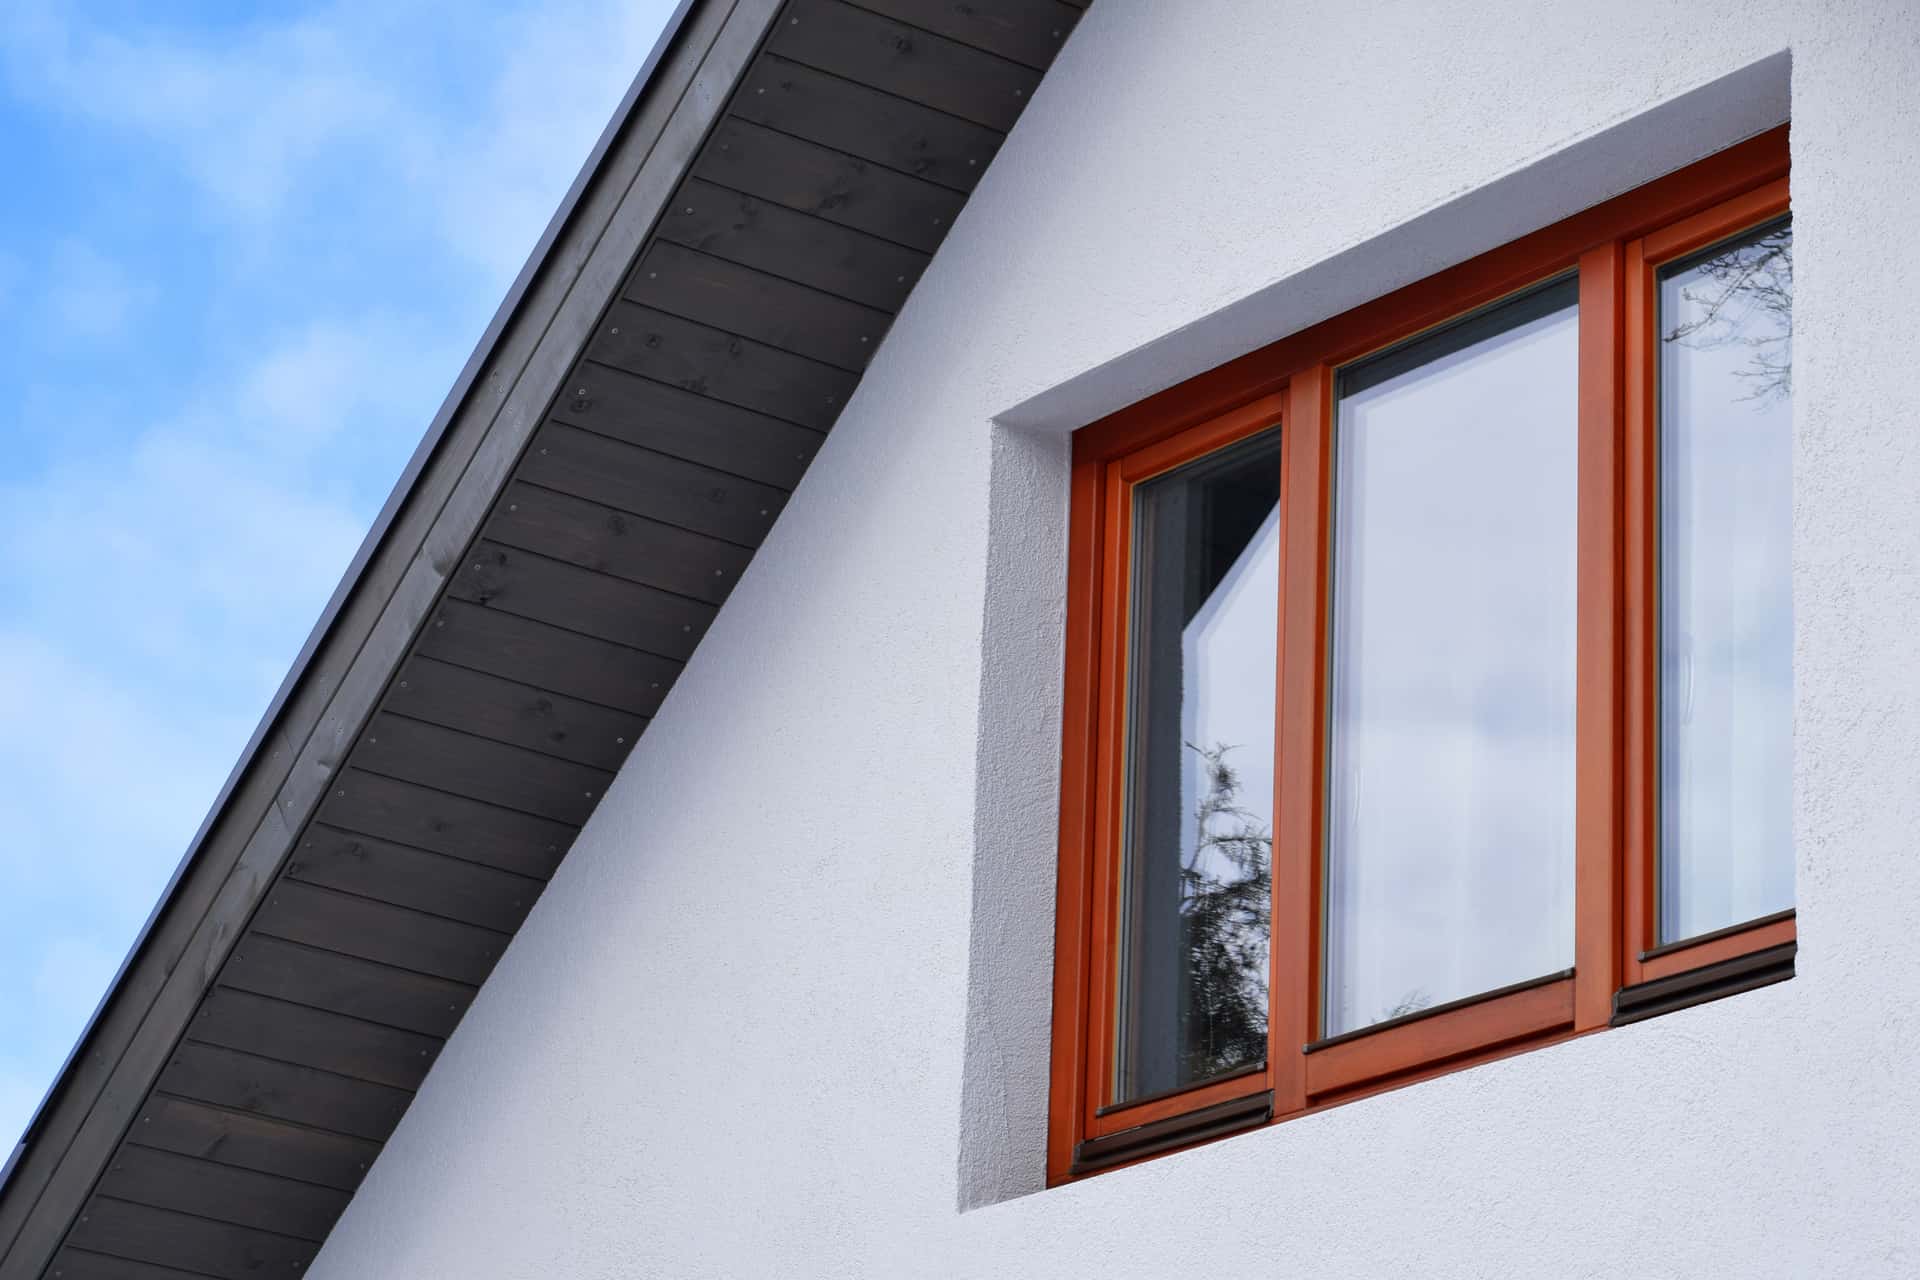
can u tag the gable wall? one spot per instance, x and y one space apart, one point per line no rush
782 1011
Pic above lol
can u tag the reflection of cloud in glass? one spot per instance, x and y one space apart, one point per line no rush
1227 653
1450 822
1726 518
1195 906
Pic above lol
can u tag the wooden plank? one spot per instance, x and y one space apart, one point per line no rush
294 1033
379 931
594 604
918 65
594 536
79 1264
461 698
862 121
404 813
829 184
642 482
689 426
269 966
1028 31
549 657
243 1197
254 1142
713 362
182 1240
282 1091
452 760
747 301
796 246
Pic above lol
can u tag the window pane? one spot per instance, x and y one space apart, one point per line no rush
1726 598
1199 815
1450 826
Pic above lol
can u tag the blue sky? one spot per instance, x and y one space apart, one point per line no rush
244 250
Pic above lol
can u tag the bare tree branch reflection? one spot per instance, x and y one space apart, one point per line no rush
1226 909
1747 300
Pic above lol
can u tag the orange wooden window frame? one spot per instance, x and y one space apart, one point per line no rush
1614 248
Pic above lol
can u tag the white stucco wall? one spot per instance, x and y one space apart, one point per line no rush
783 1011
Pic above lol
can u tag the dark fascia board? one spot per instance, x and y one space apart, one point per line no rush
540 264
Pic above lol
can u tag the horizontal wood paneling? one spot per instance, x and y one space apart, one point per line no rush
436 884
389 809
830 184
548 657
1027 31
687 425
249 1141
231 1019
749 302
80 1264
641 482
913 63
592 535
468 765
182 1240
850 117
710 361
794 246
358 988
594 604
240 1196
284 1091
473 701
379 931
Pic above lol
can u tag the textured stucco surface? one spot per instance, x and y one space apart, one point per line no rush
783 1011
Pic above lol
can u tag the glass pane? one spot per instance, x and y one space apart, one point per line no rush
1199 814
1726 592
1450 823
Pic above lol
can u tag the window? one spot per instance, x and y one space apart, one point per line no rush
1429 682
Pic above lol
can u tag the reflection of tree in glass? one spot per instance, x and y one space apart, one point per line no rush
1412 1002
1226 910
1748 300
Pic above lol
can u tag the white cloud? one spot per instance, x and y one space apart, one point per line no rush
89 297
258 121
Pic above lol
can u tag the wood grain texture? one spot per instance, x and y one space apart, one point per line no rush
866 123
389 809
829 184
687 425
1028 31
742 300
379 931
249 1141
468 765
657 486
81 1264
592 535
224 1193
269 1028
910 62
794 246
594 604
350 985
167 1238
544 656
282 1091
494 707
713 362
413 877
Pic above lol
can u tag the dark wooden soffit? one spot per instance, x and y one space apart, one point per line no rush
655 386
